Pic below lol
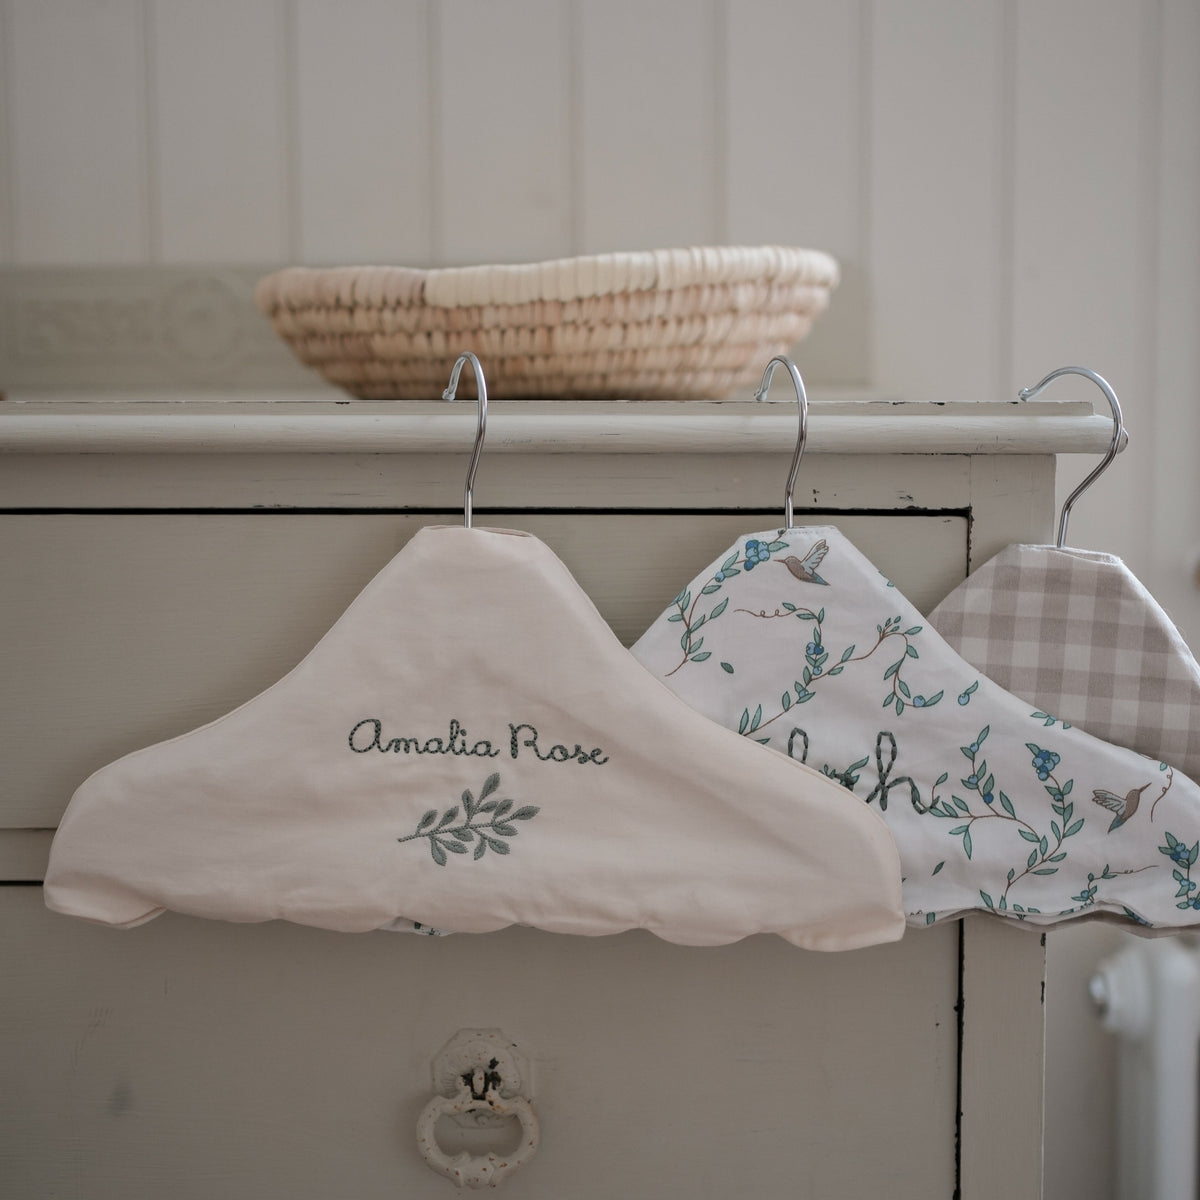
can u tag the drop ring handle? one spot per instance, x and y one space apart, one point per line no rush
466 1170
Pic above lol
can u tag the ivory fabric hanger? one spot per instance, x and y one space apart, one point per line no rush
1075 633
470 747
793 639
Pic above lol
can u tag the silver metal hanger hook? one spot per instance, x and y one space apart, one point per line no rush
1119 438
802 433
481 429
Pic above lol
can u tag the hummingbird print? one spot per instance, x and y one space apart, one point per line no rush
805 569
1124 806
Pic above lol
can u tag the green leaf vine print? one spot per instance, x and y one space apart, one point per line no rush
448 835
691 621
795 640
1047 842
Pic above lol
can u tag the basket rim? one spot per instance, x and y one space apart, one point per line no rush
561 279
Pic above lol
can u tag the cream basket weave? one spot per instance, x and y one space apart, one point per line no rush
699 323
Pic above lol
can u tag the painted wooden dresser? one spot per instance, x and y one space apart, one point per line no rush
164 561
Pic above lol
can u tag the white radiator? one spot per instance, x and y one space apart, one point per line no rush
1148 994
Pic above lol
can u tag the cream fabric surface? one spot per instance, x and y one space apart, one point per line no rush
471 747
795 640
1077 635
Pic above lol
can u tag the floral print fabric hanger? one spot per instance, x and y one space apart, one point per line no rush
796 641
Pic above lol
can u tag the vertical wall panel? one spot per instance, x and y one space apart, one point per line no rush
650 91
794 134
1090 163
1175 515
219 130
6 179
502 187
363 132
1079 230
936 210
78 132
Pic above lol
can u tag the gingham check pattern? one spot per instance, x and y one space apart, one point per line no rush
1076 634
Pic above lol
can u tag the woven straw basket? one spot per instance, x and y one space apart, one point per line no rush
653 325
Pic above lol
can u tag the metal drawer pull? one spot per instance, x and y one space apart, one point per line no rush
472 1072
465 1170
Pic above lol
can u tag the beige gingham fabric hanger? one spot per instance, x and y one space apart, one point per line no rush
1075 633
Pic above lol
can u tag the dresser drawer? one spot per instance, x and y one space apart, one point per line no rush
196 1059
122 630
209 1058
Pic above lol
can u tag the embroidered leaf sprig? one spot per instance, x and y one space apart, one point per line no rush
447 835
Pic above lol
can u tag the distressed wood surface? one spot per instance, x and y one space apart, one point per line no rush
194 1059
1003 1053
31 425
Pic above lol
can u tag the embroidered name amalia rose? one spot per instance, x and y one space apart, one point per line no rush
367 735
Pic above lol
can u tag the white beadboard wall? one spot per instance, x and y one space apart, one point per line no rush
1010 186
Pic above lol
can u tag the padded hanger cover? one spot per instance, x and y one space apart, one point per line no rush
471 747
1076 633
795 640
